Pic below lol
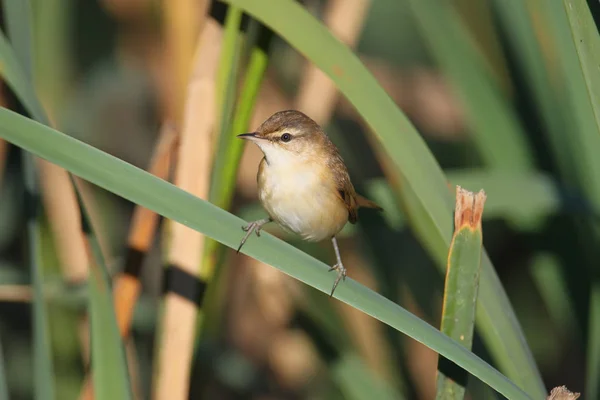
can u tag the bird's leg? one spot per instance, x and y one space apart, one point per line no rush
338 266
254 226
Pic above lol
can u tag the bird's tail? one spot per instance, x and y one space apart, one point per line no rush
364 202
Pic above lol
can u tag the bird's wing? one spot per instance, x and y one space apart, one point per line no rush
347 195
344 187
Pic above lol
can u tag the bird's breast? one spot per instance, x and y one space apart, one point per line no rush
302 197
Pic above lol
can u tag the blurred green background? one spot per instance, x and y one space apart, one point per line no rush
505 97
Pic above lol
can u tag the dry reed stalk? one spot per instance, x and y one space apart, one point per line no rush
184 20
318 94
141 235
186 246
62 209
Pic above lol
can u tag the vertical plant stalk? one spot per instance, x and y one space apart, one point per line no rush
141 235
184 20
230 148
227 147
461 288
317 95
62 209
176 343
227 75
224 185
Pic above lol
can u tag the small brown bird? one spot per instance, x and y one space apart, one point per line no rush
303 183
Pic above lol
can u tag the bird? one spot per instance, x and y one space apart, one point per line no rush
303 182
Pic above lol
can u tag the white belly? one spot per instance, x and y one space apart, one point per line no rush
297 198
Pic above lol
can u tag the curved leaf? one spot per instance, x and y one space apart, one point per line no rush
166 199
423 179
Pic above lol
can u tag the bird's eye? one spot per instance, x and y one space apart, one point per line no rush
286 137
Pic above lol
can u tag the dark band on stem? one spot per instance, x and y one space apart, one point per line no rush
184 284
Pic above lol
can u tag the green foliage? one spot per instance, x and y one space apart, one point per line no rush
523 86
431 200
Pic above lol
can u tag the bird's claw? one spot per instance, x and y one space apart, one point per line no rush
252 226
255 226
340 276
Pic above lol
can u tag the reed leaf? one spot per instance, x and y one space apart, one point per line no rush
424 180
151 192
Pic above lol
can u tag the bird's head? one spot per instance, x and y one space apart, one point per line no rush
288 134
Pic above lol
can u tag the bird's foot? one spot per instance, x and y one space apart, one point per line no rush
255 227
341 274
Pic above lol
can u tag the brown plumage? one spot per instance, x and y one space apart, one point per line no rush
319 142
303 183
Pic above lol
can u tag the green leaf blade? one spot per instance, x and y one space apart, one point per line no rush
425 180
166 199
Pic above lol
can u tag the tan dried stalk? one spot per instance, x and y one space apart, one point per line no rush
141 234
193 175
62 209
184 20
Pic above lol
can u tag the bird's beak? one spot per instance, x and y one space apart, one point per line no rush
249 136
